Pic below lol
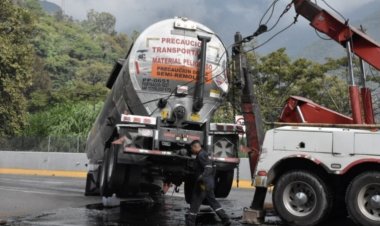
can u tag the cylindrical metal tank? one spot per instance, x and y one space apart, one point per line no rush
158 79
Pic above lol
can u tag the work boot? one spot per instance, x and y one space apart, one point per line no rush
191 219
224 217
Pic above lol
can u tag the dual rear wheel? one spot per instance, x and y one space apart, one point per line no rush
302 198
363 199
112 174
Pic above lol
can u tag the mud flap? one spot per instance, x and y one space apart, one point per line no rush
91 187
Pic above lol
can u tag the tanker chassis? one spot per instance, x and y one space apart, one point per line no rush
163 96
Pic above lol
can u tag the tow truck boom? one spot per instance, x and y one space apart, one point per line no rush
354 40
340 31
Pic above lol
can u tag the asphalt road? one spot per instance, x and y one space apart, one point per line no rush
33 200
25 195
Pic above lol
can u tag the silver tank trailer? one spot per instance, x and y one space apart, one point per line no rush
161 66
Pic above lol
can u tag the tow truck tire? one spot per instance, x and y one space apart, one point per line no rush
105 191
301 198
223 183
363 199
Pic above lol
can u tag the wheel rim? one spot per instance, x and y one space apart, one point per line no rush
299 198
369 201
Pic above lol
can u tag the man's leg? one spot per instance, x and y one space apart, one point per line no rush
196 202
215 205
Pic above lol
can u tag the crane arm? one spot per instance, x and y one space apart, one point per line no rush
340 31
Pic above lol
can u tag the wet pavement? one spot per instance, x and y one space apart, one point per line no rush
60 201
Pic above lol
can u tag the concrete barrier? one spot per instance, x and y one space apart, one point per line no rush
72 164
244 170
44 160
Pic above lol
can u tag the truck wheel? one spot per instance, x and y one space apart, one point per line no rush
363 199
103 183
301 198
223 183
115 171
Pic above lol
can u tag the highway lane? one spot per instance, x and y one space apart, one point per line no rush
22 195
35 200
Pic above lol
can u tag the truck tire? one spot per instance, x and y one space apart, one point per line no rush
223 183
105 191
363 199
301 198
115 171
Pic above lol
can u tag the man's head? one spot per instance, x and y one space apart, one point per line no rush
196 146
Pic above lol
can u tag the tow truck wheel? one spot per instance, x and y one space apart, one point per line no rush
103 183
301 198
363 199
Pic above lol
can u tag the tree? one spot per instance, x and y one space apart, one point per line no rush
277 77
38 93
100 22
16 57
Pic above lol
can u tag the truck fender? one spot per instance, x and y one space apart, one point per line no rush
305 158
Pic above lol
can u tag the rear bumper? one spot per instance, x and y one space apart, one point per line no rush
140 156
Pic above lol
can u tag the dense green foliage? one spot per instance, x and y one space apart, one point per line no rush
53 70
276 77
63 119
16 57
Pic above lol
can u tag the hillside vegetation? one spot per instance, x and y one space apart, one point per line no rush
53 70
60 68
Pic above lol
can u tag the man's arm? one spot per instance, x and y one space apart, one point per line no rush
206 163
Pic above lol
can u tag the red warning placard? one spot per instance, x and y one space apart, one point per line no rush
176 72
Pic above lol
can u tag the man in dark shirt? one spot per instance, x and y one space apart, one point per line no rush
204 186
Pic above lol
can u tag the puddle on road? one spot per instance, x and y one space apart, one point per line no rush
142 212
170 211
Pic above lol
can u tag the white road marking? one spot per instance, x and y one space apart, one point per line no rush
16 189
31 181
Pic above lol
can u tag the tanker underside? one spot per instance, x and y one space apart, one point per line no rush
147 158
132 164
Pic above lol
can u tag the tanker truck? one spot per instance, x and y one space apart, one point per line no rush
163 96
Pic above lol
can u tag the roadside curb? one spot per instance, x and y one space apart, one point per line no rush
37 172
246 184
